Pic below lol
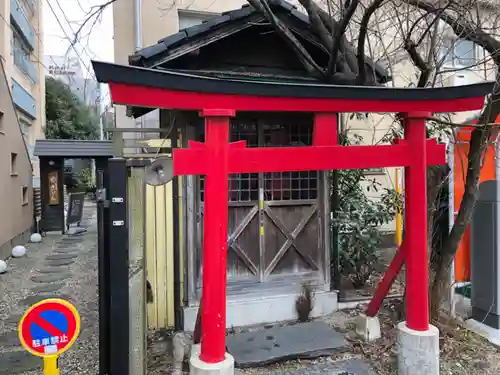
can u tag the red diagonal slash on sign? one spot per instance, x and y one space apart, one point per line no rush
46 326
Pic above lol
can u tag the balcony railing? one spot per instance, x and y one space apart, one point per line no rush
23 99
23 62
22 23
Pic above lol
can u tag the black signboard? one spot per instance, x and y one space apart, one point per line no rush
75 209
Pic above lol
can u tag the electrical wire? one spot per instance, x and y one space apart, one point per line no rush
67 36
38 59
85 49
89 72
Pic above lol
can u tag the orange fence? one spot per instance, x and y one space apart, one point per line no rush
461 150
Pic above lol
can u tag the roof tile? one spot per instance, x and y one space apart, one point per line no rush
174 38
239 13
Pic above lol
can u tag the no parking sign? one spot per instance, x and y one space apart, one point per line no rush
49 328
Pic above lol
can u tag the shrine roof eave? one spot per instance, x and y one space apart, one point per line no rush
309 95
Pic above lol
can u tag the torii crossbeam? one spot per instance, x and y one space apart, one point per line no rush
217 100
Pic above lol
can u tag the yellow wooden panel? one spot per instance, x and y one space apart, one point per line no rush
135 194
151 254
156 143
161 256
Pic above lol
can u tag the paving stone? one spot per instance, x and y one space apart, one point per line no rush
304 340
18 362
14 319
73 231
46 278
31 300
51 270
46 288
67 245
347 367
61 256
72 239
68 249
9 338
59 262
79 235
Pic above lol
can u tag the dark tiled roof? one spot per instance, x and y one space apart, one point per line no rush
210 25
183 35
73 148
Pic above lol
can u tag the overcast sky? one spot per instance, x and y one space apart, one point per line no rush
62 18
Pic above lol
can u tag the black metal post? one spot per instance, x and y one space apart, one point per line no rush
103 264
335 277
179 324
119 335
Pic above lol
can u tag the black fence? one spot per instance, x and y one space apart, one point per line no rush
114 331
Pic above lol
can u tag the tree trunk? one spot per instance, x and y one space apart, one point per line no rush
443 257
441 284
436 177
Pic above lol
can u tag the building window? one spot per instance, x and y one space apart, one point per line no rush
24 195
22 56
188 19
13 164
459 53
1 123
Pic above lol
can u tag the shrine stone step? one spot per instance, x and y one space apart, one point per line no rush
253 310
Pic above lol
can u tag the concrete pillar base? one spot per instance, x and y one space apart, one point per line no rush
418 352
198 367
368 327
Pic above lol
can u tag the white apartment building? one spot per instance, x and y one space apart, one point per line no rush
22 109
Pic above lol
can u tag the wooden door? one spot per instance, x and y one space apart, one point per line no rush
274 225
291 220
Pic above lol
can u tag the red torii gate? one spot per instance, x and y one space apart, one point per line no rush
218 100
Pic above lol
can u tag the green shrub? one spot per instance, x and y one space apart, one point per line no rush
359 219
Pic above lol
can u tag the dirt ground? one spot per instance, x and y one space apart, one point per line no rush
462 352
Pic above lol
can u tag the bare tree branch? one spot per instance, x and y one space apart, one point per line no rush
317 24
463 29
95 11
363 32
338 34
308 62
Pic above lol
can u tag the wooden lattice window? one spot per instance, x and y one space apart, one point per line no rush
289 185
244 187
276 186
